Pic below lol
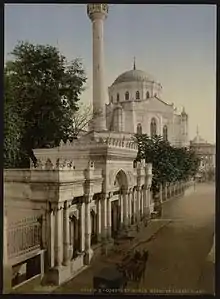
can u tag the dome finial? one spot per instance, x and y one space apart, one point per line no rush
134 67
197 130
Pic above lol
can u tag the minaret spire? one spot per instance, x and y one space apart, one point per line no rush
197 130
134 67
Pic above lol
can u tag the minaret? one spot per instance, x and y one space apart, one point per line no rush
197 130
184 129
97 14
134 66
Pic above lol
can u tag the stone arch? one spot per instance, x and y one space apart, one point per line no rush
122 179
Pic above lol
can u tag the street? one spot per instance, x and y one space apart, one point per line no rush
177 259
178 255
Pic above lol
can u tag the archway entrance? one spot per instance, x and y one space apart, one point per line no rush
117 204
74 236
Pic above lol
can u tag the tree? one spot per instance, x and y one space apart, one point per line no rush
12 128
81 119
170 164
45 89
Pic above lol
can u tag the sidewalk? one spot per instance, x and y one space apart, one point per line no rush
82 283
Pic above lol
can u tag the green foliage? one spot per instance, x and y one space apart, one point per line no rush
169 163
44 90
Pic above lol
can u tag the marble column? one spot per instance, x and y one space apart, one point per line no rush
165 191
104 215
121 211
58 235
109 217
66 236
145 202
51 237
88 249
142 202
135 205
125 207
129 207
138 203
99 219
150 199
161 193
71 226
82 226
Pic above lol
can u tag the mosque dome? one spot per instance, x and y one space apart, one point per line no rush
198 140
134 76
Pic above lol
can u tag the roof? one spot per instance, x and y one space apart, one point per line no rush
198 140
134 76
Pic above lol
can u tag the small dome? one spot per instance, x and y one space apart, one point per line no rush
134 76
198 140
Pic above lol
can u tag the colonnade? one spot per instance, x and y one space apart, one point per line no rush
170 190
133 206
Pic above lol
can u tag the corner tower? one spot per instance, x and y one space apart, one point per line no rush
97 14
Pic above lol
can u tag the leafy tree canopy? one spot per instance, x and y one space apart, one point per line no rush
169 163
42 90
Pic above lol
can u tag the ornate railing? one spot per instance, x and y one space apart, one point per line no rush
24 236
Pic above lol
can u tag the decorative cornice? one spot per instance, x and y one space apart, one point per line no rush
99 142
59 164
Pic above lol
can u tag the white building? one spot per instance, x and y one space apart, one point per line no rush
136 105
207 155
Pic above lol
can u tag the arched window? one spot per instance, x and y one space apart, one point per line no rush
127 95
118 97
153 127
139 129
147 95
137 95
165 133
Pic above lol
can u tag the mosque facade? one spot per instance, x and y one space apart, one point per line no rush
136 105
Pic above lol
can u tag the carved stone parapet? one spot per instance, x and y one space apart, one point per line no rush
57 164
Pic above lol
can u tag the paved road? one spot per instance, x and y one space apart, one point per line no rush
178 254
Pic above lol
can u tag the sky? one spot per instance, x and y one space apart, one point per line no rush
174 43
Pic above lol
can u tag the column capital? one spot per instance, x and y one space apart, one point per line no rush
88 197
138 188
54 207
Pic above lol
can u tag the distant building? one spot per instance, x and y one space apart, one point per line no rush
206 152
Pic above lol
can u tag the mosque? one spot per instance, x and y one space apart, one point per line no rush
136 106
83 193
